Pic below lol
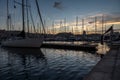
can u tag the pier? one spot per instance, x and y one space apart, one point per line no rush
83 47
108 68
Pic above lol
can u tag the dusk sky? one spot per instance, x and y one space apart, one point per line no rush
66 9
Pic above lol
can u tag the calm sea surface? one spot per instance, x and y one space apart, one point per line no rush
45 64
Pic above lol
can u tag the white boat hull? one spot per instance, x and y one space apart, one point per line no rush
23 43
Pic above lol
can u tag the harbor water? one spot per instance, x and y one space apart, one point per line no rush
45 64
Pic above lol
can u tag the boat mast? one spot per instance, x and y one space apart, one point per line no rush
27 15
23 24
102 23
60 26
7 17
65 24
53 27
82 25
95 25
76 31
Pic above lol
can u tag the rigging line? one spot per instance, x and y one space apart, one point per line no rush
32 19
21 3
40 16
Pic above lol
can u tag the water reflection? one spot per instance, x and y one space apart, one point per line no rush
102 49
45 64
20 62
23 52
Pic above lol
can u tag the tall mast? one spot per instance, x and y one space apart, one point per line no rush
102 23
65 24
95 25
82 25
23 24
7 17
76 25
72 30
53 27
27 16
60 26
76 21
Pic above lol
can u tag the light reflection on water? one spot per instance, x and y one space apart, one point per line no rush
45 64
102 49
65 42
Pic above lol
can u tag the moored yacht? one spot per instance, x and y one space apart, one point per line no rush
22 40
23 43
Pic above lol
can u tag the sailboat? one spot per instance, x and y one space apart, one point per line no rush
23 41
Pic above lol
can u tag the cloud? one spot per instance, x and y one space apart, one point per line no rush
112 18
58 5
107 18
